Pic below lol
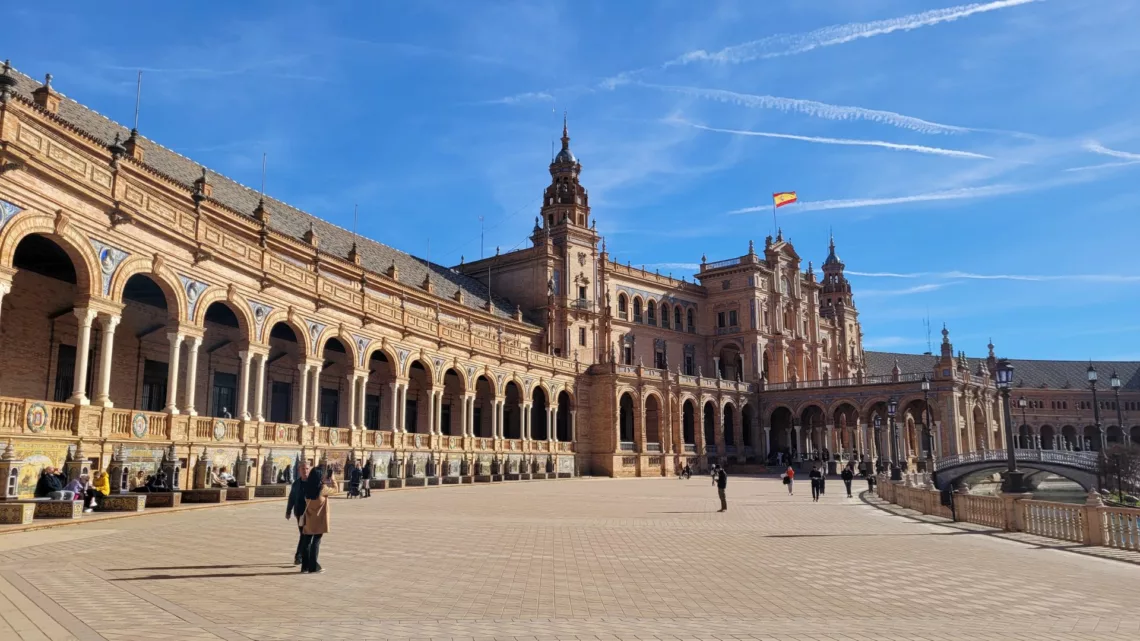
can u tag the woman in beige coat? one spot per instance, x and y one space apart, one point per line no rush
315 520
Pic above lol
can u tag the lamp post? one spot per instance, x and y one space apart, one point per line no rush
1013 477
878 444
896 472
929 424
1022 403
1096 408
1114 382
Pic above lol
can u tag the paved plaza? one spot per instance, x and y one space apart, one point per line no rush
572 559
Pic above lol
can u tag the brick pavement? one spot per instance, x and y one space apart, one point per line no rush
583 559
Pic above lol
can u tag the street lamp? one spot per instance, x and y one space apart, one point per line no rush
896 472
1096 407
929 424
1114 382
1022 403
1013 477
878 454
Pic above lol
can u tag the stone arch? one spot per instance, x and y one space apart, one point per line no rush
625 417
88 275
169 282
345 340
654 414
1048 437
838 403
708 422
748 424
237 304
562 423
728 423
300 330
688 420
386 351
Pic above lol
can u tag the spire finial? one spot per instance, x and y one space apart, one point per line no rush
565 133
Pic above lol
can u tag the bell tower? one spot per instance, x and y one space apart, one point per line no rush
565 203
836 302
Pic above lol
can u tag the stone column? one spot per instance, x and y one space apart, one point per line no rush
501 430
259 391
439 413
552 423
85 317
243 385
573 427
463 414
798 445
176 339
192 345
402 399
315 395
300 415
767 442
362 400
5 289
106 349
394 402
526 411
352 400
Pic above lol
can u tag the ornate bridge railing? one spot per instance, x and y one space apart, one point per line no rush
1080 460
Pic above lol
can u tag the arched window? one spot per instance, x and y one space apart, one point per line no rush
651 313
692 326
623 307
664 315
636 310
677 324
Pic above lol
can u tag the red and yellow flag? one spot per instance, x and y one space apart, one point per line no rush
784 198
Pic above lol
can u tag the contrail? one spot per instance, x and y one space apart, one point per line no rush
1127 157
922 149
952 194
1095 278
792 44
813 108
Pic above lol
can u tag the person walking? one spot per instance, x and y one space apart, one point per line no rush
315 519
816 482
847 475
789 479
721 483
296 506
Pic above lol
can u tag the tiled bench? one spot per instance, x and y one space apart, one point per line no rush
240 493
565 475
451 480
12 513
482 478
204 495
162 499
386 484
271 491
54 509
416 481
122 503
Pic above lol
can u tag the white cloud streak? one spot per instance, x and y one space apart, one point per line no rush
792 44
950 194
922 149
521 98
813 108
1128 158
957 275
679 266
917 289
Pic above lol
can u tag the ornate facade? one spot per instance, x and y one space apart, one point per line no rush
149 303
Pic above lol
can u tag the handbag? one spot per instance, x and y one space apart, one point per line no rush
786 480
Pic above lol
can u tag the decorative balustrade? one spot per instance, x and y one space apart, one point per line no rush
1121 527
690 448
652 447
1063 521
1082 460
214 429
983 510
36 417
626 446
879 379
731 262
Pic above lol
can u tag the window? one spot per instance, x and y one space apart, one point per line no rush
690 367
651 313
720 319
691 325
582 336
623 307
445 419
805 327
223 393
677 318
766 323
281 402
154 386
732 321
665 316
330 406
65 374
372 411
637 310
627 355
659 358
582 292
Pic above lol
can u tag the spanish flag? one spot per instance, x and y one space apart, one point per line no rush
784 198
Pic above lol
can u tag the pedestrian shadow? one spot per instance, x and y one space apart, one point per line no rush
215 575
200 567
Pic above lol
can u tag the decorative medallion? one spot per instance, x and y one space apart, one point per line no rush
139 425
37 417
260 313
315 330
193 289
280 432
109 260
362 348
219 429
7 211
334 437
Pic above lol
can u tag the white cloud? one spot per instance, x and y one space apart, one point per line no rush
521 98
1098 148
957 275
813 108
922 149
917 289
686 266
950 194
891 341
791 44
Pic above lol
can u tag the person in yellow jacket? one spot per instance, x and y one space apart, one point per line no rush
98 490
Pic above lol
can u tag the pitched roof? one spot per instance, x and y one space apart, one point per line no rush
1027 373
284 219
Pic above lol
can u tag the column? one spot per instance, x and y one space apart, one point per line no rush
552 423
767 442
85 317
172 372
500 429
243 385
463 416
402 406
362 400
352 400
439 413
103 390
315 395
394 402
303 392
192 345
259 391
5 288
573 429
797 445
526 411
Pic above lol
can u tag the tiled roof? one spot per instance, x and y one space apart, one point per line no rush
1027 373
285 219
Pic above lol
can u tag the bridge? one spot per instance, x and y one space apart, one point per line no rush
1079 467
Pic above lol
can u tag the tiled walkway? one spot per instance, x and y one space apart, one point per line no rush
581 559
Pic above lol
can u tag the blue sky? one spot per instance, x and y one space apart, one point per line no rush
978 163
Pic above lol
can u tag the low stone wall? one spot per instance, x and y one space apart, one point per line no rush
12 513
163 499
123 503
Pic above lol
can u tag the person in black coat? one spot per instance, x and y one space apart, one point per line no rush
295 507
816 482
48 482
365 488
847 475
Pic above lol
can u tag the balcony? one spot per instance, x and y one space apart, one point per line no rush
582 304
731 262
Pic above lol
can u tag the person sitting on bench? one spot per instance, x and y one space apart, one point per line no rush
137 483
157 483
98 489
49 483
78 489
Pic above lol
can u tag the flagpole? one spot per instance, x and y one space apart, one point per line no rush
774 216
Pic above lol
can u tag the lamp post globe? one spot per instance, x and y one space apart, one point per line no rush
1096 408
896 470
1014 478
